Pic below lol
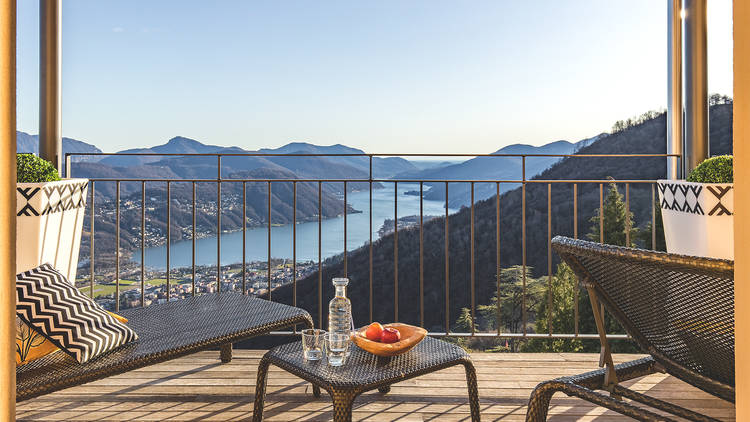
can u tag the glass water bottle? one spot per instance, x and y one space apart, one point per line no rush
339 323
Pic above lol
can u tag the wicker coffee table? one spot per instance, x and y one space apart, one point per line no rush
364 372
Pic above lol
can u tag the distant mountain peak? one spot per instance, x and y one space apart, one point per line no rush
183 140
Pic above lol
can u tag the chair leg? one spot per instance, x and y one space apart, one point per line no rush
226 353
539 401
260 390
471 382
316 391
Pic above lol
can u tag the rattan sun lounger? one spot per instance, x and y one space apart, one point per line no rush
166 331
679 309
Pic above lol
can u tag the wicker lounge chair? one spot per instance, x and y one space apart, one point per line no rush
165 331
679 309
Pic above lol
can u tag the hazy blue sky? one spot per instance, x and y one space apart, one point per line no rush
384 76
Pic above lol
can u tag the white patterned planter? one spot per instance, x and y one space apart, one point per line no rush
49 220
698 218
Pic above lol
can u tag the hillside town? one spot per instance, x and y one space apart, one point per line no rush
154 285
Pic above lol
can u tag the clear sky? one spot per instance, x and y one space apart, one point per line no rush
381 75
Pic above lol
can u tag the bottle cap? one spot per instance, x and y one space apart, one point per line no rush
340 281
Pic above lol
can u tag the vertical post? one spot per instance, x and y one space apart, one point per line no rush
117 248
741 122
50 54
370 237
421 254
169 238
244 235
294 246
218 224
447 265
346 209
696 85
472 265
8 210
92 235
143 244
674 88
269 240
395 251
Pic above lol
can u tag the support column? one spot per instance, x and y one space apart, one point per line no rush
50 87
7 210
742 206
674 88
696 84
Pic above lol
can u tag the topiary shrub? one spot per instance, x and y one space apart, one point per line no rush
713 170
32 169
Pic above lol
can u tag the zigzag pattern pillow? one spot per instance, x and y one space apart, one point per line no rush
55 308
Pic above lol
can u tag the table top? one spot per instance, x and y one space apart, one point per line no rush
363 370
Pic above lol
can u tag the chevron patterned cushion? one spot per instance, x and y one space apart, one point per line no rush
54 307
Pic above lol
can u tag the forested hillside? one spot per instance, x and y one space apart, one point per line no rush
647 137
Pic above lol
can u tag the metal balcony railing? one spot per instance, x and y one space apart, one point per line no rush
523 182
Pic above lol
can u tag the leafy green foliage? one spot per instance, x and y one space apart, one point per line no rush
558 312
646 138
32 169
713 170
617 221
645 236
622 125
509 313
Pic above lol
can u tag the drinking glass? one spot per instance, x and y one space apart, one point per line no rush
337 346
312 343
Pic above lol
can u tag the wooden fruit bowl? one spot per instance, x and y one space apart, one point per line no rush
410 337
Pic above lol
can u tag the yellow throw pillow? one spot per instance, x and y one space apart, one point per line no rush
31 345
118 317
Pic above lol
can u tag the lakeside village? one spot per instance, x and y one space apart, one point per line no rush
181 281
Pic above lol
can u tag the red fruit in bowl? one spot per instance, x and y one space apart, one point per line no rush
374 331
390 335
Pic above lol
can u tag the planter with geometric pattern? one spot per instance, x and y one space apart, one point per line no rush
698 218
49 221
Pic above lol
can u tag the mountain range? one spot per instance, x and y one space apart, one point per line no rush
26 143
291 161
492 168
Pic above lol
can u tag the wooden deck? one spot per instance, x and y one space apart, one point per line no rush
200 388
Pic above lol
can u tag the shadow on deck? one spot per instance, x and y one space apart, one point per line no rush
200 388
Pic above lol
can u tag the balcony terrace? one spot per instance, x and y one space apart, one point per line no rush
200 387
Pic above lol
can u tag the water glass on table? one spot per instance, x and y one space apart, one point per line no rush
337 348
312 343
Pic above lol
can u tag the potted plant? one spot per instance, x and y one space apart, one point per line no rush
698 213
49 216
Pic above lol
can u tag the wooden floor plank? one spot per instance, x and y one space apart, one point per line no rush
199 387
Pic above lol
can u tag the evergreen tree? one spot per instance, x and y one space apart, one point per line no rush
645 236
510 316
617 220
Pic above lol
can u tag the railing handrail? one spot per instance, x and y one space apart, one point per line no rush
375 155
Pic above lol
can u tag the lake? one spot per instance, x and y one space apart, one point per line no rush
332 237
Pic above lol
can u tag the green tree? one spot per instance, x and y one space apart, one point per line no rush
617 220
564 286
562 318
563 290
646 241
510 314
